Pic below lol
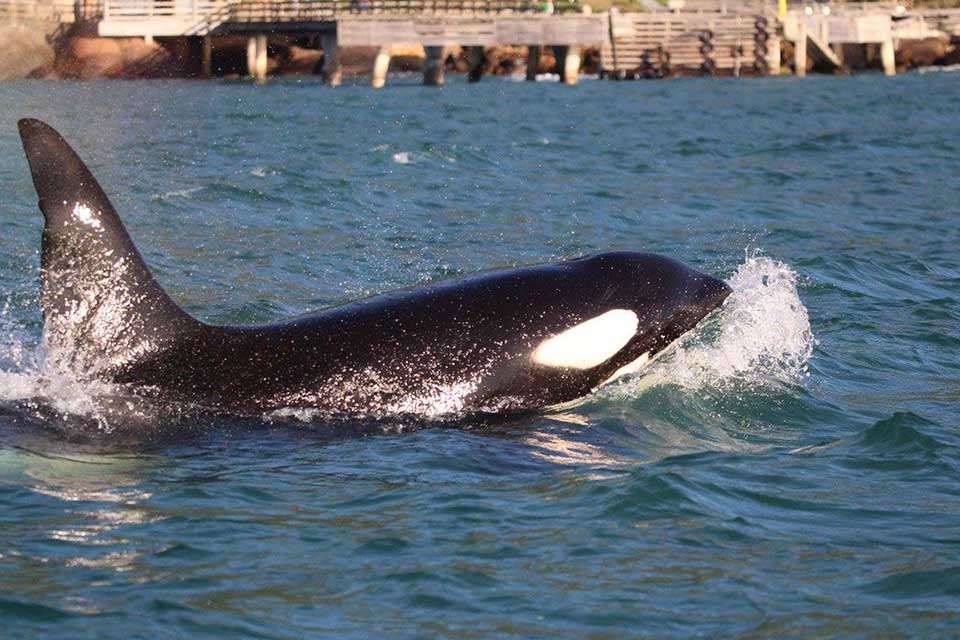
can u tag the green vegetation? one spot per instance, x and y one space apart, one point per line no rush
623 5
934 4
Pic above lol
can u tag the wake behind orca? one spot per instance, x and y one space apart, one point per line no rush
504 340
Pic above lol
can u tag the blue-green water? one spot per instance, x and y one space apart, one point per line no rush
791 470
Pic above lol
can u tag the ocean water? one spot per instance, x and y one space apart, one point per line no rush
791 469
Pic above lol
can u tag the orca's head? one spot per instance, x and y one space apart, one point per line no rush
656 287
632 306
668 297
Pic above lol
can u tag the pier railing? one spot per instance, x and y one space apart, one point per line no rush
25 11
160 9
295 10
198 17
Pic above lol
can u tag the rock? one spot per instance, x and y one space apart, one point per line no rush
86 57
300 61
854 56
953 55
83 58
504 59
922 53
547 61
592 60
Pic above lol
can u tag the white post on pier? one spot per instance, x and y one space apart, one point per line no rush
888 57
571 65
257 57
800 49
251 56
773 54
381 64
261 58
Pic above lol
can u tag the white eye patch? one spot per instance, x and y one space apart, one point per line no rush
589 343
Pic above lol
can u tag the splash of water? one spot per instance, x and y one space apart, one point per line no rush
761 337
26 377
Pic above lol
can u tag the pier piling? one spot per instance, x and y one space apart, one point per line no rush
887 57
257 57
251 56
800 50
261 75
381 64
533 61
332 67
206 62
571 64
476 57
433 66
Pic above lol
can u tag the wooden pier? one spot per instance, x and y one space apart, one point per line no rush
814 33
661 44
712 38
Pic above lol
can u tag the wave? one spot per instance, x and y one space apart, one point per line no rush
899 435
921 584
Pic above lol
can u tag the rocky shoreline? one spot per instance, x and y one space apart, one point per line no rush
85 57
40 53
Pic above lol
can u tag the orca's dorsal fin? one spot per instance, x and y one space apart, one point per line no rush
102 308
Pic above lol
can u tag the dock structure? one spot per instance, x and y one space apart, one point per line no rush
709 37
435 24
571 32
664 43
816 34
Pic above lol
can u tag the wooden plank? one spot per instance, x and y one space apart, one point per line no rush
679 35
584 30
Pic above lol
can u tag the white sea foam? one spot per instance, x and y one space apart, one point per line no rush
179 193
939 69
299 414
402 157
761 336
25 376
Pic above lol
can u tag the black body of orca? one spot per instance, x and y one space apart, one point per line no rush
501 340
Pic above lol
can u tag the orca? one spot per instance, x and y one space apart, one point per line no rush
505 340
